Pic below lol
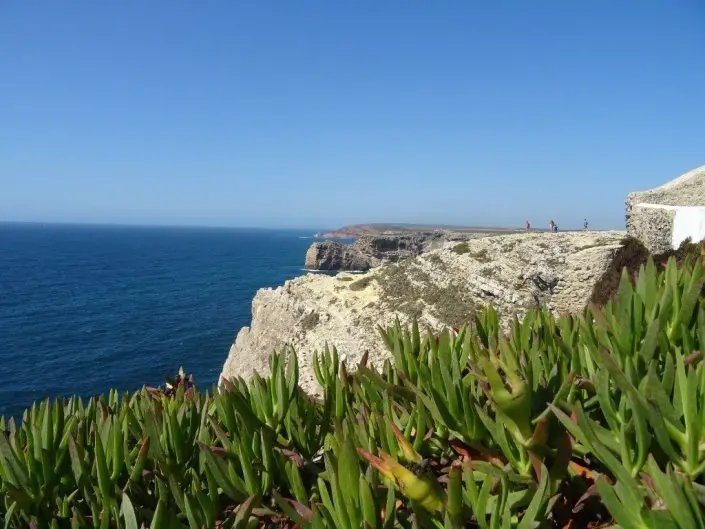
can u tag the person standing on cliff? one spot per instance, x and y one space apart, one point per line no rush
528 225
585 224
551 226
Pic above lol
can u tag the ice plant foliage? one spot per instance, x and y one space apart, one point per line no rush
590 420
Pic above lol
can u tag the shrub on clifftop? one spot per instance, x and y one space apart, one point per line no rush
581 421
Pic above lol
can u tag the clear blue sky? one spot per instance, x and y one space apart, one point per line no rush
322 113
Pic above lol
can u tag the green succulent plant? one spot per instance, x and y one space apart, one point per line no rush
594 418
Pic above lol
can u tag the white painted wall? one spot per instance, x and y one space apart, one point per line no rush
689 221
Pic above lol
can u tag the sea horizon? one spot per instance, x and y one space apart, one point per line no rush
142 225
85 308
410 226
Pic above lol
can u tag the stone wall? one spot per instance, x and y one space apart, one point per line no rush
650 214
652 226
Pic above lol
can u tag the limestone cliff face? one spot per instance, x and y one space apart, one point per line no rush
440 287
369 251
332 255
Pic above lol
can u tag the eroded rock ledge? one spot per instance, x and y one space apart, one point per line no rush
440 287
369 251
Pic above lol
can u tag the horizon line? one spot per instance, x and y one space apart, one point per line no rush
410 225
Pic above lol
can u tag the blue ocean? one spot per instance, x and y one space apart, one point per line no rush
87 308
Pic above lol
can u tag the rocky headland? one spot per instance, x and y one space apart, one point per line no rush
440 287
358 230
441 278
369 251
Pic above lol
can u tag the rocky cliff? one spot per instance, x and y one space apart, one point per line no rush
440 287
369 251
357 230
351 232
332 255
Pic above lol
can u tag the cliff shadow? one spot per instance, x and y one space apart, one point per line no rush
632 255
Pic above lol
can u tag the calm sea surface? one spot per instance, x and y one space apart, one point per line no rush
88 308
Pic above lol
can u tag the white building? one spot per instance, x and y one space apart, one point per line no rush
665 216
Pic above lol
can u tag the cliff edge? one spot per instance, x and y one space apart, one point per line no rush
369 251
440 287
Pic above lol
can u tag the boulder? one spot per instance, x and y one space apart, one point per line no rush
441 287
663 217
